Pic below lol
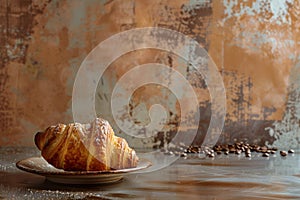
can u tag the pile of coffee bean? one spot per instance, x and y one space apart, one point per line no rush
238 148
245 148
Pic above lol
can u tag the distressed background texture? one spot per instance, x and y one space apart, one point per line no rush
254 43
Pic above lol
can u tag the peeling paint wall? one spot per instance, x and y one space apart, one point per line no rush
254 43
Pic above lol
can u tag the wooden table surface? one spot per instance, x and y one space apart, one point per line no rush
222 177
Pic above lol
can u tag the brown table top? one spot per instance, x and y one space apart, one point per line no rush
223 177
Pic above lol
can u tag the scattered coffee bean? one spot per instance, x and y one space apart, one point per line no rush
273 152
195 149
183 155
217 148
238 152
232 150
263 149
265 155
283 153
211 155
274 148
236 148
291 151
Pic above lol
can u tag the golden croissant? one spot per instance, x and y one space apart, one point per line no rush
85 147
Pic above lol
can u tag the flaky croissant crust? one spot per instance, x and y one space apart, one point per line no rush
85 147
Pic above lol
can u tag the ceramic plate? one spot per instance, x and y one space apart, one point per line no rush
38 165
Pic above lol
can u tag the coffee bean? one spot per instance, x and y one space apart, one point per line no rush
291 151
197 149
183 155
194 151
264 148
207 151
226 152
274 148
283 153
217 148
273 152
232 150
238 152
248 155
265 155
186 151
211 155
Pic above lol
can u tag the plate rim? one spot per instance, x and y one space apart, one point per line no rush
61 172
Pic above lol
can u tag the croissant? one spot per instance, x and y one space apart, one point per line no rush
85 147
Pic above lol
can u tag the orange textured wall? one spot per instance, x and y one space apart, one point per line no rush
254 43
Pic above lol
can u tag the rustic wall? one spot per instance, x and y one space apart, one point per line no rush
254 43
